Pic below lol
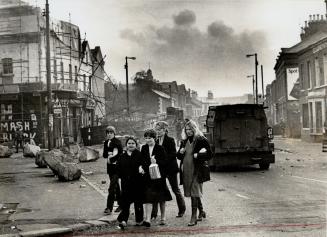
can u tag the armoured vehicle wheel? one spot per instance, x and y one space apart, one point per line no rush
264 166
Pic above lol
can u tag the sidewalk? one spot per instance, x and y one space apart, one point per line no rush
33 202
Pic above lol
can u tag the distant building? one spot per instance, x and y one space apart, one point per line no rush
210 100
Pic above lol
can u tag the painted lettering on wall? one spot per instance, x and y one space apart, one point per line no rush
9 126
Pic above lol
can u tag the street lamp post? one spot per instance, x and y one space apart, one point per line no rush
256 74
253 82
127 95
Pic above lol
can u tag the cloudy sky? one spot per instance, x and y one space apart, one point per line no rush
201 43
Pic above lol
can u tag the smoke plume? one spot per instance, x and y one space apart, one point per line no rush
204 60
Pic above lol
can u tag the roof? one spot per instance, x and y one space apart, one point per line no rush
307 42
161 94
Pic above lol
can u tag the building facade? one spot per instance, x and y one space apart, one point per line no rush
74 73
301 98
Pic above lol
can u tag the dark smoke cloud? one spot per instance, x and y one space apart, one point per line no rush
214 59
185 17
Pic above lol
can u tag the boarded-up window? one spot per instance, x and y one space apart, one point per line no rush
7 66
305 116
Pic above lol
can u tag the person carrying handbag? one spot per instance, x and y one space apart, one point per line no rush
194 152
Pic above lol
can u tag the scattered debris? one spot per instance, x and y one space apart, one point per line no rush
103 182
5 152
221 190
31 150
82 186
39 159
87 154
87 172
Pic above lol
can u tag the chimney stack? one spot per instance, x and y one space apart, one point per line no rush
313 17
317 17
310 18
306 23
326 7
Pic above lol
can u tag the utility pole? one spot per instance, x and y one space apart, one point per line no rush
256 78
48 68
263 93
127 92
253 86
256 74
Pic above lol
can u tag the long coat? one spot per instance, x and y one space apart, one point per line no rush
155 190
132 183
199 143
170 148
114 143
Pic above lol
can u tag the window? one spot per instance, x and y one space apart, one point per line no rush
7 66
301 76
318 117
76 75
315 80
84 82
311 116
62 72
309 74
70 74
321 72
305 116
325 69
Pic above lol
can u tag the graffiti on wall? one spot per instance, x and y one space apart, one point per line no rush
9 125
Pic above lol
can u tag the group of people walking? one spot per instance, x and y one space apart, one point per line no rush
143 173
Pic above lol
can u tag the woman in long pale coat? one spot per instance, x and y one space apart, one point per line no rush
193 152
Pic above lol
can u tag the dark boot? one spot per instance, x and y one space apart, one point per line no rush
202 213
194 203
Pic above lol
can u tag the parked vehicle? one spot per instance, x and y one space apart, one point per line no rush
239 135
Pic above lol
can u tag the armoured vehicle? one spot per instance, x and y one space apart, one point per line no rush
239 135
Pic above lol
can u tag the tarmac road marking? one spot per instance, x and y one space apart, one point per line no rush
93 186
315 180
242 196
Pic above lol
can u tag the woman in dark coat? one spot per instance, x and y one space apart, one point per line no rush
193 153
132 186
156 190
168 143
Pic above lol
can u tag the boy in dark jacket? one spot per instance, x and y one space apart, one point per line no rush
112 149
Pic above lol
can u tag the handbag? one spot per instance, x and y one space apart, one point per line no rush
154 171
204 172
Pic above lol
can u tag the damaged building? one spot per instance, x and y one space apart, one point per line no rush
77 77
